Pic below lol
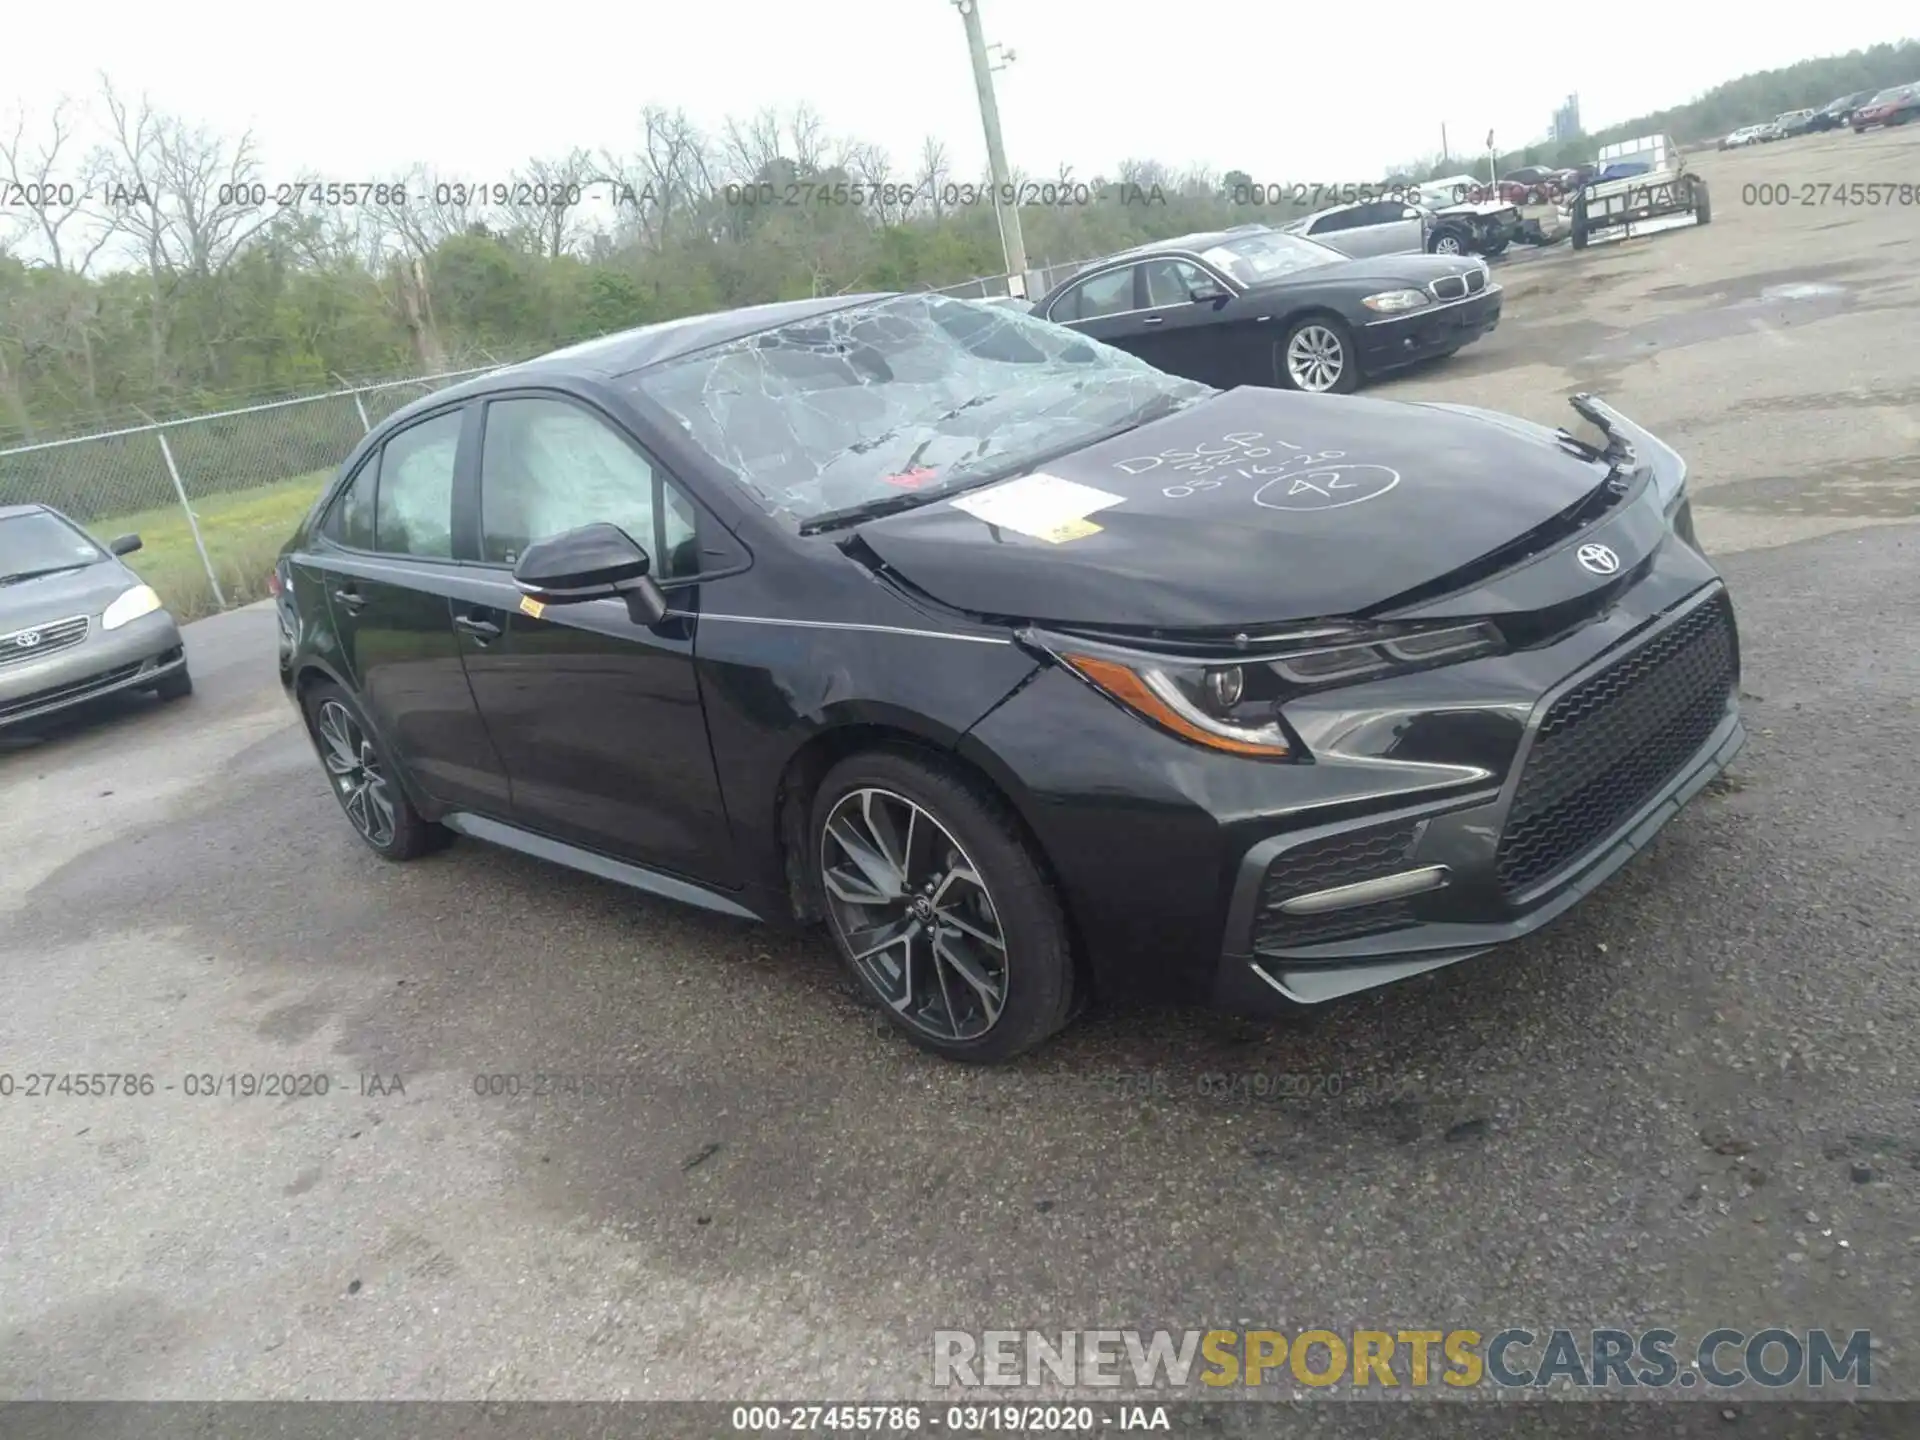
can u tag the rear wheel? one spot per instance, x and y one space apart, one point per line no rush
363 779
1317 356
939 907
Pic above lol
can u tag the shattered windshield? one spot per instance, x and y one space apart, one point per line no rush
909 394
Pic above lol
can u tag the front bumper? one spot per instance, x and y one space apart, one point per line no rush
1646 726
1396 340
1455 795
137 655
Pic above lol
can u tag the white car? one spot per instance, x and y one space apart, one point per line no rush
1745 135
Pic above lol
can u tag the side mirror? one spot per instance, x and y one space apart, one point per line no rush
1205 292
125 544
594 562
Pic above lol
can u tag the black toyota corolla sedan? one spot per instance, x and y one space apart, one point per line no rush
1254 306
1032 671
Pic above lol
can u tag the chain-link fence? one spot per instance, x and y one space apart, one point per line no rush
212 497
994 287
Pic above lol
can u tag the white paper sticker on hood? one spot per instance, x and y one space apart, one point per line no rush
1043 506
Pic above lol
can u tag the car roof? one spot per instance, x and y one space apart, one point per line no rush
647 345
1191 244
32 507
628 351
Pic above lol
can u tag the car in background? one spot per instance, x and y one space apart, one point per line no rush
1838 114
1268 307
1741 138
1891 107
75 622
1364 228
1028 670
1791 123
1529 185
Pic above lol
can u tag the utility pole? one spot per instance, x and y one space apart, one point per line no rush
1011 244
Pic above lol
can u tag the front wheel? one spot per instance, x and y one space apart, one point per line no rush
1497 247
1702 205
363 779
1317 356
939 907
1448 242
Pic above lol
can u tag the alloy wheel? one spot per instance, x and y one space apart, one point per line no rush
1315 358
914 914
355 772
1448 245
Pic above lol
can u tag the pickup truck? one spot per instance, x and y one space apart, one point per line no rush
1637 180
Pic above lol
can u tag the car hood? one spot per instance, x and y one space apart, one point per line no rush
87 591
1406 269
1253 507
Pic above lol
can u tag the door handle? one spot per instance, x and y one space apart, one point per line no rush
477 626
1154 320
350 598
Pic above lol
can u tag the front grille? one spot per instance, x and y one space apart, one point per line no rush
60 694
1449 287
20 646
1345 859
1611 743
1476 282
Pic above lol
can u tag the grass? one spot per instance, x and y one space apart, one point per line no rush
243 531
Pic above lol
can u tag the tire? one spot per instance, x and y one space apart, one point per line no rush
944 982
177 686
1498 247
1702 205
1447 242
1333 341
378 809
1579 236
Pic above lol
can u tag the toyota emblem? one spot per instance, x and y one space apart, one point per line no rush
1598 558
28 640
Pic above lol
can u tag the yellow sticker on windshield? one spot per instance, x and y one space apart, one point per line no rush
1071 530
531 606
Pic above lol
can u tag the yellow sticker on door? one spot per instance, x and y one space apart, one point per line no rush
531 606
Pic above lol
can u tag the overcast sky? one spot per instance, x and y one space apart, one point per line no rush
1328 92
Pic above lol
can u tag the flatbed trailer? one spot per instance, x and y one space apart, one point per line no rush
1636 181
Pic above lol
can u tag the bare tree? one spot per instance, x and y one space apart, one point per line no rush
54 187
750 147
667 181
432 211
541 209
935 172
187 199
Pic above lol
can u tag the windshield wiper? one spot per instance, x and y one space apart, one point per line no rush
19 575
1158 408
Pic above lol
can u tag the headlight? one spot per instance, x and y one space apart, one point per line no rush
1233 704
1196 702
1394 302
138 601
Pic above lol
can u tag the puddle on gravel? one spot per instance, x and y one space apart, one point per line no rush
1771 311
1886 489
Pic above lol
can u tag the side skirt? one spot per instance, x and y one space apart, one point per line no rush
541 847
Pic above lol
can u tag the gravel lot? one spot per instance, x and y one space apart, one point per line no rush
1690 1103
